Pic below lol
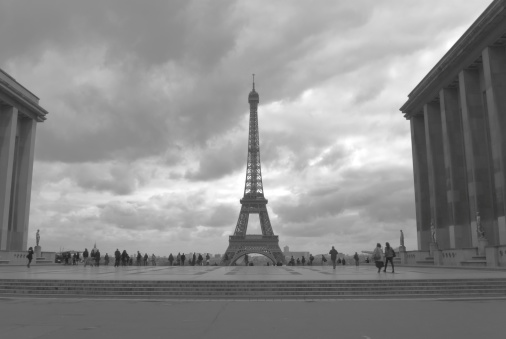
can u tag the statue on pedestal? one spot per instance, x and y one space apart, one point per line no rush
37 237
402 238
479 228
433 231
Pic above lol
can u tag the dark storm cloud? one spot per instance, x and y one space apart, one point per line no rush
218 162
378 194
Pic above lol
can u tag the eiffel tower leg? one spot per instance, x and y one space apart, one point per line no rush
265 222
242 222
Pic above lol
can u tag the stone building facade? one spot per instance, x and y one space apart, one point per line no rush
19 114
457 115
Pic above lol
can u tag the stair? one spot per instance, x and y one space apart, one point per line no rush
478 261
43 261
427 261
356 289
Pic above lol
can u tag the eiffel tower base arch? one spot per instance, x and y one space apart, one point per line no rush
267 245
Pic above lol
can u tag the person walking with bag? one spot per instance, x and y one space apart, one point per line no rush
389 257
377 256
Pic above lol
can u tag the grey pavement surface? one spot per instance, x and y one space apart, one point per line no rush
363 272
30 318
373 319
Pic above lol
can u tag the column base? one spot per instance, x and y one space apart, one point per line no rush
482 243
432 248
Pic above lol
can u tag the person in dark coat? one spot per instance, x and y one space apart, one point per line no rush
171 259
183 258
85 257
117 258
124 258
333 256
139 258
97 257
29 256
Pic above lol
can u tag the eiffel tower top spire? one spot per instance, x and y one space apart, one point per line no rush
253 187
253 95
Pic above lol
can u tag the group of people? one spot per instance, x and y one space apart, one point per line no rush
194 260
299 261
124 259
381 259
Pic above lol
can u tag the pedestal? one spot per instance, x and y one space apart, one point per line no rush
38 252
403 254
482 243
432 248
438 257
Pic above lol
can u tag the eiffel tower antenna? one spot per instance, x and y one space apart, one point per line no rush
253 202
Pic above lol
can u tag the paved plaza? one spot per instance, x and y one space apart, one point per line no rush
30 318
362 272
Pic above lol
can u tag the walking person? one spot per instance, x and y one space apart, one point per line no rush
377 256
139 258
303 261
311 258
333 256
153 259
146 257
85 257
389 257
117 258
97 257
171 259
183 257
194 259
124 258
356 258
106 259
29 256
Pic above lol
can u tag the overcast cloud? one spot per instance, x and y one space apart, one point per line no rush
145 145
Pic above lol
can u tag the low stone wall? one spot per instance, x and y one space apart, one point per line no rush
412 257
455 257
19 258
495 256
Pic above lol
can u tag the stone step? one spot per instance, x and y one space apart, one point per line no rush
253 289
484 258
480 263
247 284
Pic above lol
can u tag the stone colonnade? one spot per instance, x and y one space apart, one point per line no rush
459 156
19 114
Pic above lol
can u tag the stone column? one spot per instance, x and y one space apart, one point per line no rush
26 144
475 129
494 71
455 163
437 175
420 173
8 127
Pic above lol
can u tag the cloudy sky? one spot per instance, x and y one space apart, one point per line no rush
145 143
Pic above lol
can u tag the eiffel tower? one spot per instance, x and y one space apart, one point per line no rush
253 202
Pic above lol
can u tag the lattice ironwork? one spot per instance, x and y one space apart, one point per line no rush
253 201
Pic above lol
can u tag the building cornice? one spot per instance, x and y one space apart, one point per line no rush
17 95
466 50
